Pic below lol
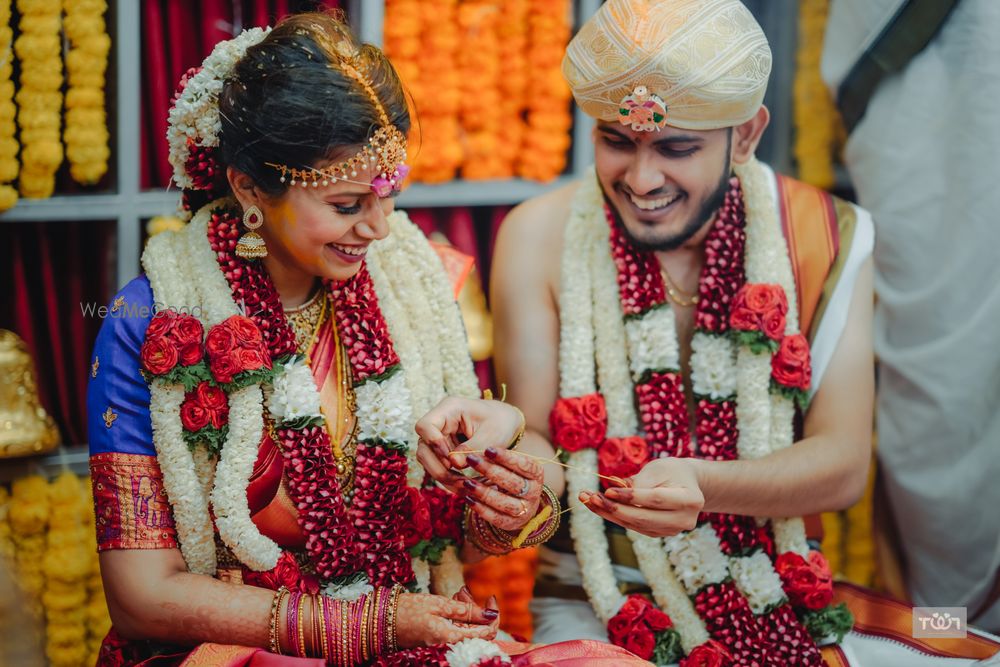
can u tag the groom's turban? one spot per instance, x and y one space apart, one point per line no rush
705 61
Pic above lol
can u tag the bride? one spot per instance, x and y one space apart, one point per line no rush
257 476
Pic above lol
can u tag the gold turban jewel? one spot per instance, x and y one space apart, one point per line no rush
706 61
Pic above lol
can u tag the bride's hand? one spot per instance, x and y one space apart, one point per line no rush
463 424
424 620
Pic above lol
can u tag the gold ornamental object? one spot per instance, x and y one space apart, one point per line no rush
25 428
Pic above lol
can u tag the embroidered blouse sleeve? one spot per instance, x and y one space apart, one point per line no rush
130 503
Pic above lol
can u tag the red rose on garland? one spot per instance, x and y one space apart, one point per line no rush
161 323
640 641
220 341
187 330
193 416
809 583
791 365
709 654
760 309
286 573
417 527
579 422
621 457
446 512
235 346
636 625
158 355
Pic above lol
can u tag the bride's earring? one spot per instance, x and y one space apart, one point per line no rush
251 245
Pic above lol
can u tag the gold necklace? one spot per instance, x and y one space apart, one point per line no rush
344 440
675 294
306 319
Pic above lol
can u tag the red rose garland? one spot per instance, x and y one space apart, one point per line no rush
579 422
640 627
808 583
339 540
621 457
791 369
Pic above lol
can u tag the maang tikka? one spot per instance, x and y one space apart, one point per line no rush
251 245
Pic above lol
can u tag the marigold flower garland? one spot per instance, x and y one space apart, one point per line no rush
432 78
547 139
486 83
39 95
67 565
48 529
8 131
479 67
512 30
817 122
86 132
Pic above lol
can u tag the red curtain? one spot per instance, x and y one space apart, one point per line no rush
176 36
56 270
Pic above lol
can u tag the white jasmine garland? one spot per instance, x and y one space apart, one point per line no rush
668 591
456 364
351 591
576 377
187 477
195 115
422 322
766 258
652 340
756 579
713 366
180 480
161 267
383 410
421 574
768 261
697 558
609 331
204 469
790 535
293 393
394 297
232 476
576 339
470 652
753 404
214 294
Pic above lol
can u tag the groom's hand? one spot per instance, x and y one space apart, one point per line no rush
662 499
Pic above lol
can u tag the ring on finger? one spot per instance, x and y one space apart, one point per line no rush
524 489
524 509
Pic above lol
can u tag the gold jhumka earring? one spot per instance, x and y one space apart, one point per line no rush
251 245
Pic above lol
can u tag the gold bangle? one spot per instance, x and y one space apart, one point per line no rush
302 625
365 630
322 628
274 645
397 590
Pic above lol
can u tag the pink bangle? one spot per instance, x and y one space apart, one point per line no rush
292 621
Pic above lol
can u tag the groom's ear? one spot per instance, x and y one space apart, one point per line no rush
747 135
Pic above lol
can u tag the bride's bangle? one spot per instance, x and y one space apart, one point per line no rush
495 541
